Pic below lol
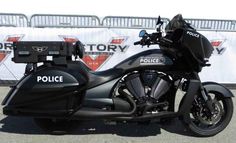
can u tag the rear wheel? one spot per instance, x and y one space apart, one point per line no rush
206 123
56 126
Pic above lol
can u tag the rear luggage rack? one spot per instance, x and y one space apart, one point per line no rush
42 51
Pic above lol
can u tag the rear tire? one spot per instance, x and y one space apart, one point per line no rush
56 126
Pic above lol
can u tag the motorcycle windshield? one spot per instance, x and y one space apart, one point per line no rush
175 23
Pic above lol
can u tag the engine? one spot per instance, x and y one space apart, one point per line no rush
147 85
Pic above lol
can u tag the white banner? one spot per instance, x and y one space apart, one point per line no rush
222 61
107 47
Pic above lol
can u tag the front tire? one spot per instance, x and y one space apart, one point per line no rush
204 124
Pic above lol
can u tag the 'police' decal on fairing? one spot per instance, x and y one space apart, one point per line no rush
49 79
152 61
193 34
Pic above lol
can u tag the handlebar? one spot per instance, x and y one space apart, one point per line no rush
165 41
154 38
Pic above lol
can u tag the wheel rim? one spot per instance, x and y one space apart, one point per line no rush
200 115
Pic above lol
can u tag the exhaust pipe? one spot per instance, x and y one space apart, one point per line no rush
168 114
93 113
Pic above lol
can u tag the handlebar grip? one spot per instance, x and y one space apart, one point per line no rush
137 43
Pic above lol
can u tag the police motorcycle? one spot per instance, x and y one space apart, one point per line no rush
141 88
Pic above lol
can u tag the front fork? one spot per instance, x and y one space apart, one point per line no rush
206 98
194 87
205 95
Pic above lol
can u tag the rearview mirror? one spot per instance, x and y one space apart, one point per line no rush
142 33
159 21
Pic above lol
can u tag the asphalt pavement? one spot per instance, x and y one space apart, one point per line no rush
24 130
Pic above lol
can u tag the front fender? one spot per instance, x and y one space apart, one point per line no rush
216 87
209 86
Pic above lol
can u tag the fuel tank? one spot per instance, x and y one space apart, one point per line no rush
150 59
49 91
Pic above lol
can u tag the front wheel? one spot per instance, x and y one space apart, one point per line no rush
205 123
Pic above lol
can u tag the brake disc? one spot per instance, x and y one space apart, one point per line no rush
210 119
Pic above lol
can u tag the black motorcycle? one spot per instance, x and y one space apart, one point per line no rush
141 88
